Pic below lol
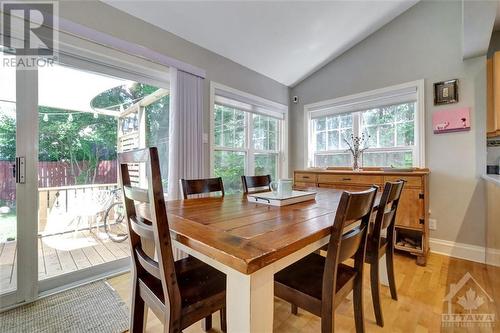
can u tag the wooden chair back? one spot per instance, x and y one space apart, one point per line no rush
201 186
353 213
147 222
254 182
386 212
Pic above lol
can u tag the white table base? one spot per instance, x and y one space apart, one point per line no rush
250 297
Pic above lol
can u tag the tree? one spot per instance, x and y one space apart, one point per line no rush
81 142
7 137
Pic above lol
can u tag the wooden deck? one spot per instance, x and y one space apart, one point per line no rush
61 254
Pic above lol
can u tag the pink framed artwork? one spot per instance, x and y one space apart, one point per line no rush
453 120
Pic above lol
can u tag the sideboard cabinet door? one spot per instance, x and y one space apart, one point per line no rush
411 209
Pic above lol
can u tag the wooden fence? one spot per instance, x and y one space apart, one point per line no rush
54 174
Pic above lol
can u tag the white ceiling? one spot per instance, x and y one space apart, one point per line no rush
284 40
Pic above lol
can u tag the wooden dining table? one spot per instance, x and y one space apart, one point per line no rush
250 242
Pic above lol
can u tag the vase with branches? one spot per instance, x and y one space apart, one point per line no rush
356 146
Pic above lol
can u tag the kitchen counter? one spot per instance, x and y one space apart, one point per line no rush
492 248
492 178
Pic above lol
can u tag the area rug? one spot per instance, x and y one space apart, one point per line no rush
95 307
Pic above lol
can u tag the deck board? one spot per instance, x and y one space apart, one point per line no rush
67 262
7 260
52 262
116 249
58 255
92 254
80 259
42 271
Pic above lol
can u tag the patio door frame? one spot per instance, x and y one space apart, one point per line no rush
83 55
26 193
77 57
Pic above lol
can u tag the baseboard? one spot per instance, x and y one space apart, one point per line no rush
458 250
493 257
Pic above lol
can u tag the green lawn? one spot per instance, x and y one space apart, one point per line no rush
8 230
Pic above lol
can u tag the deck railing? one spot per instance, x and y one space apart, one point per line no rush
59 206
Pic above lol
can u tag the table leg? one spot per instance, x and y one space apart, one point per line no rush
250 301
384 280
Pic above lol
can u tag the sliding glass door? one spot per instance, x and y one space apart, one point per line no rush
61 218
86 117
8 215
77 176
17 183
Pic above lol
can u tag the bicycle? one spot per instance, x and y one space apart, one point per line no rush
114 218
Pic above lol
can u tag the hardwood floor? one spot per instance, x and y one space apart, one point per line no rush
421 292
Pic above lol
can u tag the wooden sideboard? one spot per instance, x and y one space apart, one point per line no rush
412 220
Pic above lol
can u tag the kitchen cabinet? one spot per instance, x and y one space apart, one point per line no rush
493 95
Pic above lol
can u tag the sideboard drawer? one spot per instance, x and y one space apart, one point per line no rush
411 181
350 179
305 177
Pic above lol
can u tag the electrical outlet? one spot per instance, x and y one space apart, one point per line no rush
433 224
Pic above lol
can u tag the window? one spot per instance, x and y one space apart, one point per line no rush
247 140
390 120
243 140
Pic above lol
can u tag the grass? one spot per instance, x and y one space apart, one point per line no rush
8 227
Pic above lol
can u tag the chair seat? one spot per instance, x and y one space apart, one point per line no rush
372 252
306 277
198 282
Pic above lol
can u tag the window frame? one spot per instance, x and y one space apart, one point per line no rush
248 148
354 105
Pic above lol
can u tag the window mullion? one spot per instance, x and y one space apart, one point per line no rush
395 134
356 123
250 169
222 128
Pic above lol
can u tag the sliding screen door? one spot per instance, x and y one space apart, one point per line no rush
8 214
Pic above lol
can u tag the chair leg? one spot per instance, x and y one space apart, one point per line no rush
295 309
359 317
328 322
223 322
389 259
137 311
375 286
206 324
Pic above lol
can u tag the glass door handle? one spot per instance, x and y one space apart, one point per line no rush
20 170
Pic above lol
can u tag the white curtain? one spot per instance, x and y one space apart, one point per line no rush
186 130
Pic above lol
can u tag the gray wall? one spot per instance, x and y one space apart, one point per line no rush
423 43
104 18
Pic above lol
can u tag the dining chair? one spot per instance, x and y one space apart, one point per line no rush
319 284
201 186
181 292
255 183
377 245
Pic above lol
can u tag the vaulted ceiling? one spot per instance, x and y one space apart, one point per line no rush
284 40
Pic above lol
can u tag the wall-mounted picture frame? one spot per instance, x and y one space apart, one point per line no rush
446 92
